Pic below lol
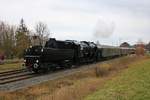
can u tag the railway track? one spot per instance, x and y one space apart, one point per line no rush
18 75
12 72
15 75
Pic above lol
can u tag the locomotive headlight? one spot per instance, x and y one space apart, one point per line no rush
24 61
41 50
37 61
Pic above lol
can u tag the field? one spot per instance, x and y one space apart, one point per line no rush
11 65
132 84
112 79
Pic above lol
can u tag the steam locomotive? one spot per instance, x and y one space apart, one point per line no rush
66 53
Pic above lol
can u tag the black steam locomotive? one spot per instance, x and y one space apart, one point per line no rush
64 54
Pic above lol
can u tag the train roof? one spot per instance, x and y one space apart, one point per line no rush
108 46
90 43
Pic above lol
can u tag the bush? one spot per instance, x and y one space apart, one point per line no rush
102 70
140 51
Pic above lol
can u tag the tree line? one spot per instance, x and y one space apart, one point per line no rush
15 39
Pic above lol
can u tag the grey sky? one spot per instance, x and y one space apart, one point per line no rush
77 19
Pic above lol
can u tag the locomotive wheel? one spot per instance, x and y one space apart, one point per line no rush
52 69
36 70
67 64
44 70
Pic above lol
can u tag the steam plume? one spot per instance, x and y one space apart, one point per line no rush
104 29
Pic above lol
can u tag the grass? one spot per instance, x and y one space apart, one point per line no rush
131 84
15 60
148 53
11 65
78 85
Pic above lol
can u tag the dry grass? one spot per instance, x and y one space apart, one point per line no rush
10 61
75 86
74 92
105 68
11 64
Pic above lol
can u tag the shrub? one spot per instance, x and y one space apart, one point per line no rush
102 70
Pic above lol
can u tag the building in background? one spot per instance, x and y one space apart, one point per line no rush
125 44
148 47
35 40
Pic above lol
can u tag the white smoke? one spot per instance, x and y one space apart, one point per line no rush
104 29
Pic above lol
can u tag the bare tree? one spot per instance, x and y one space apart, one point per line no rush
42 31
7 39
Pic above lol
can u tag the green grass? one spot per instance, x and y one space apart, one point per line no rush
131 84
148 53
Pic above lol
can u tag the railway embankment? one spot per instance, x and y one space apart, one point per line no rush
77 85
131 84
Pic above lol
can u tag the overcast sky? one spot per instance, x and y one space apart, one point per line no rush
109 21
